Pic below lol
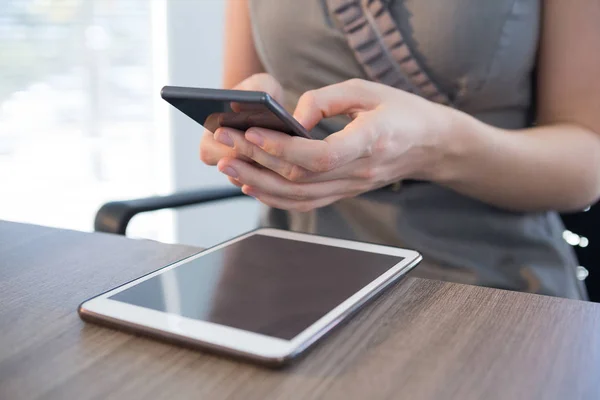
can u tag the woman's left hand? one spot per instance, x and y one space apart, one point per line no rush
393 135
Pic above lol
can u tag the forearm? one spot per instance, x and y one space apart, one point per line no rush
552 167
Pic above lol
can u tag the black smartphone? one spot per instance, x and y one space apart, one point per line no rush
238 109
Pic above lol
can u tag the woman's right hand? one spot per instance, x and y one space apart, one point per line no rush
212 151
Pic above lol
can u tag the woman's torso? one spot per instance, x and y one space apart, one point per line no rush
482 55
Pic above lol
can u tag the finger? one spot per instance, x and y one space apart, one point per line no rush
211 151
268 182
262 83
288 204
340 148
235 182
236 139
362 169
346 97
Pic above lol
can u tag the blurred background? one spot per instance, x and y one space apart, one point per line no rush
82 121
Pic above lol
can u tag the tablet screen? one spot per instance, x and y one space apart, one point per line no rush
263 284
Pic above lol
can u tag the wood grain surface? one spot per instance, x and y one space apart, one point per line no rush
421 340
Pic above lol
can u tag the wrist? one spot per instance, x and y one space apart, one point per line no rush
463 141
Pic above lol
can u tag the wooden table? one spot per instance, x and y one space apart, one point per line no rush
421 340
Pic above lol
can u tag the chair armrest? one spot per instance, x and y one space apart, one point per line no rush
113 217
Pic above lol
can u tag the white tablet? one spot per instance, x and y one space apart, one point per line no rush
267 295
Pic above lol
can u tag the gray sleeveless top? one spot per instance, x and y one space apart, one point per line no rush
480 55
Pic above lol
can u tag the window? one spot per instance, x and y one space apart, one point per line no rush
77 126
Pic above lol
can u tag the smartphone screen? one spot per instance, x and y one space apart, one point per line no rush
213 114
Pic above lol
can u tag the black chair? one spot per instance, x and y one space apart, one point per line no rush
114 217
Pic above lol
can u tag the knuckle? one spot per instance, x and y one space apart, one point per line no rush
324 163
309 98
295 173
262 82
247 84
356 82
253 82
380 146
243 148
368 173
275 149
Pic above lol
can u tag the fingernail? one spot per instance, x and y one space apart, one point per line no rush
224 138
230 172
255 138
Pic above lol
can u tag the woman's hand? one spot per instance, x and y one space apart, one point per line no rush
552 166
393 136
211 151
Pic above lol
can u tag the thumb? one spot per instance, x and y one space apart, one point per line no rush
347 97
262 82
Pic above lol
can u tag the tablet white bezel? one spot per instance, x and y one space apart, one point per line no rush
236 340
